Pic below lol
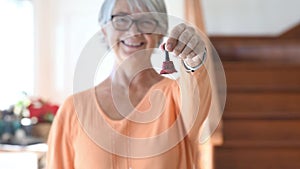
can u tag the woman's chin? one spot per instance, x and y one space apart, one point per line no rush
132 52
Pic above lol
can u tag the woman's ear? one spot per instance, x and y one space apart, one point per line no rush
104 35
103 31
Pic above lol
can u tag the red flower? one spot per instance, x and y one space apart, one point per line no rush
43 111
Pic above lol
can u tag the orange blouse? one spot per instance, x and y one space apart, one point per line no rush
83 137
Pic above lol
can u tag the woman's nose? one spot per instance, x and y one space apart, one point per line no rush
134 30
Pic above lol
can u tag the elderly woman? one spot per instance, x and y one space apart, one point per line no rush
136 118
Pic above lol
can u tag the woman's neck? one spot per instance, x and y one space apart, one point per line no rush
133 74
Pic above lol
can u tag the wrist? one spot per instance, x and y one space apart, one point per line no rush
189 68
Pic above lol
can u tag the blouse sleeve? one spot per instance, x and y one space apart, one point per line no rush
203 95
60 153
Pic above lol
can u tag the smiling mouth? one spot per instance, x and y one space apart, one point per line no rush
132 45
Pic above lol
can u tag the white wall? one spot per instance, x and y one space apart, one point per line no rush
245 17
250 17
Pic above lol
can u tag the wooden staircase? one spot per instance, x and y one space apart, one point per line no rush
261 122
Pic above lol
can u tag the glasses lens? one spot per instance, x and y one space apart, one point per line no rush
121 22
147 25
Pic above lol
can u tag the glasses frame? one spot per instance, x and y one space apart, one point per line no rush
133 21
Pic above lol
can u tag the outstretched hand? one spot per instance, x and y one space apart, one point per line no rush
186 43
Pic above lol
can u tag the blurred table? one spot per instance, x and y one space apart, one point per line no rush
25 157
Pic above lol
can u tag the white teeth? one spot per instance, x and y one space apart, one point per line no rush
133 44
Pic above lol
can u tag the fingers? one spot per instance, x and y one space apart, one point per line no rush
184 38
189 49
172 42
184 42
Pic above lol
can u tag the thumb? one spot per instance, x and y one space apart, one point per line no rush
162 46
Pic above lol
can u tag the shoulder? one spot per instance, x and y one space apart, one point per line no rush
69 107
167 84
83 97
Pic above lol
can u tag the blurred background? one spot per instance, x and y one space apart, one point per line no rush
258 42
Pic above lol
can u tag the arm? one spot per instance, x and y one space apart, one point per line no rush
202 91
195 87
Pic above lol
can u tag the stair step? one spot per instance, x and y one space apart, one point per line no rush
258 76
257 49
257 158
251 133
262 105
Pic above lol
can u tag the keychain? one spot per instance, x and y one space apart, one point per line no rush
168 66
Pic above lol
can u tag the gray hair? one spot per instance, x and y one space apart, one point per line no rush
153 6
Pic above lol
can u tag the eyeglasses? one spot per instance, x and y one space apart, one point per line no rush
124 23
